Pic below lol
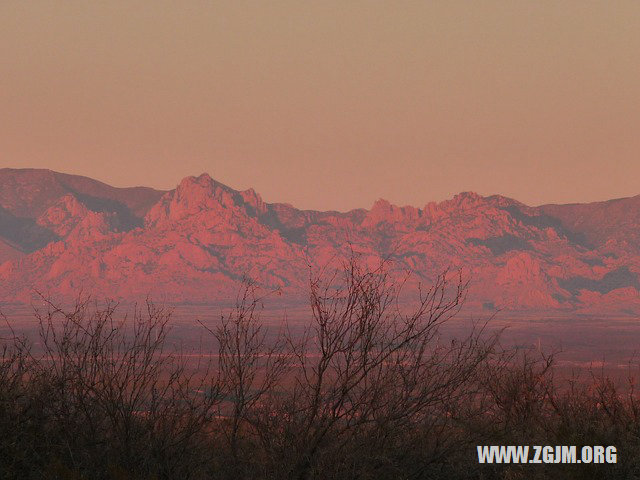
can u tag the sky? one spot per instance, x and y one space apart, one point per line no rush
331 104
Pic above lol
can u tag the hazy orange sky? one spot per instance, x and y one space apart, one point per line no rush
329 104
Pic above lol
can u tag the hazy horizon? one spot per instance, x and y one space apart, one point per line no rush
275 200
329 106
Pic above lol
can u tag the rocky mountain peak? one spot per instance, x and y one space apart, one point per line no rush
384 211
58 232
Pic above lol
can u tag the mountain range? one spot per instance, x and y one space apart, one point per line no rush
61 234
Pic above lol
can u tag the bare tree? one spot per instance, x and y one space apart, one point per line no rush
374 387
368 368
112 396
250 365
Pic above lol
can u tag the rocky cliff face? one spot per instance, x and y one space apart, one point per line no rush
61 233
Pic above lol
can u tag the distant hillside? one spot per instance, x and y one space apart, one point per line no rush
61 233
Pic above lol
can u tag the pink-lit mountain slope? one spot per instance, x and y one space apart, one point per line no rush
60 234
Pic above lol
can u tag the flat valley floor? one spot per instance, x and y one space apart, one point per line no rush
582 344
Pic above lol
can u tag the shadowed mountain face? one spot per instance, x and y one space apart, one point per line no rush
28 193
601 222
60 234
23 234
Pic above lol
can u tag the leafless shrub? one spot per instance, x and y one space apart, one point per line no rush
250 367
366 377
106 395
520 388
371 389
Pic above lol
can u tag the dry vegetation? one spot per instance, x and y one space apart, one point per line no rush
370 390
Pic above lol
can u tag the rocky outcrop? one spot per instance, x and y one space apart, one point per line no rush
63 234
